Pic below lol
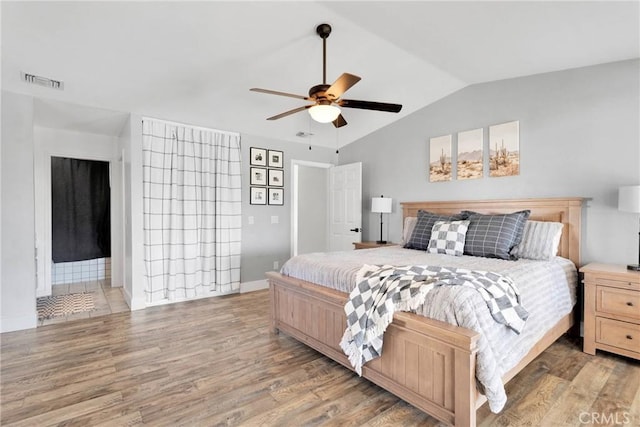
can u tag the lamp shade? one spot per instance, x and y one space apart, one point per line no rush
324 113
381 204
629 198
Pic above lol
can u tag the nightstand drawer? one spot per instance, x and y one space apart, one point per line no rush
618 302
618 334
622 284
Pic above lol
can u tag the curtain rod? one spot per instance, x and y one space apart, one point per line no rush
191 126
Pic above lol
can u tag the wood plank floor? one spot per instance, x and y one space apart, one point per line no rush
213 362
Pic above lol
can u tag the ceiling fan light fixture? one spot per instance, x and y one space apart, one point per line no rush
324 113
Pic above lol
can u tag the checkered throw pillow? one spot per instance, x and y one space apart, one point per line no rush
447 237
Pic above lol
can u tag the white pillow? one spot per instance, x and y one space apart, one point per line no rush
447 237
540 240
407 230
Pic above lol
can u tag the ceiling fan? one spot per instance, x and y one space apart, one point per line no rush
327 98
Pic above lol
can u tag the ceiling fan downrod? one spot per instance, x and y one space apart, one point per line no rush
323 31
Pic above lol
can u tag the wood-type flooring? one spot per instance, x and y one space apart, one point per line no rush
213 362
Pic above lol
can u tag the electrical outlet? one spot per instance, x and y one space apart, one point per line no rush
251 220
276 265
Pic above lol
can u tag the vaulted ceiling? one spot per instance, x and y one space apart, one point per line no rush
194 62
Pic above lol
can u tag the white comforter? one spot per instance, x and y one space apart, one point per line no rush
547 291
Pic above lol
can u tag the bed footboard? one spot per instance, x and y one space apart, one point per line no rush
427 363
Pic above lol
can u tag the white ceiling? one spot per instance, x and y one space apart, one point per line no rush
194 62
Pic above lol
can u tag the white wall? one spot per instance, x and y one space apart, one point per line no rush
264 242
130 149
312 209
18 281
80 145
579 136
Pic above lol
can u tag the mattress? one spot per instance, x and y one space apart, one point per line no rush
547 291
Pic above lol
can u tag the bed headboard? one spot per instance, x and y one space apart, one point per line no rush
565 210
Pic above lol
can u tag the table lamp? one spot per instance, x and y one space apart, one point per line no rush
381 205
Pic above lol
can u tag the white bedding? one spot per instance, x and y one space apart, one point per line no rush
547 290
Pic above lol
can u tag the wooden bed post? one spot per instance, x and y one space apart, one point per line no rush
465 388
272 308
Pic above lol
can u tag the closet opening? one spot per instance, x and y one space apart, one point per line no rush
80 278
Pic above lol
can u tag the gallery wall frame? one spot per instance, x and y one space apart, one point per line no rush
258 176
258 196
276 159
257 156
470 158
276 178
504 149
276 196
440 158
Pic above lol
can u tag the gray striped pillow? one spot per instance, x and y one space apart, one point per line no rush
540 240
494 235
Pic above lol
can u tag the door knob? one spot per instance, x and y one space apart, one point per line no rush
357 230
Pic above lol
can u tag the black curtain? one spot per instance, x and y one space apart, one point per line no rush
80 209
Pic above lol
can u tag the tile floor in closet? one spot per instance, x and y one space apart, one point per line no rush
107 300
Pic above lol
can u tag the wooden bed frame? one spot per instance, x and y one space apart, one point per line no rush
428 363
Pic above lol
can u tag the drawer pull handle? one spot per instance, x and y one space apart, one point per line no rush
629 337
630 304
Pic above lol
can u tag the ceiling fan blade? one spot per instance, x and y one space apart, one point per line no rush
339 122
341 85
369 105
275 92
288 113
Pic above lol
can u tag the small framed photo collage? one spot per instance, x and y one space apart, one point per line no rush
266 169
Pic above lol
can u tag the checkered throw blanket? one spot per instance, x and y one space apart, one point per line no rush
381 290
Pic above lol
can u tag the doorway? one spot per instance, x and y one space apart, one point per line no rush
80 243
326 207
309 224
88 272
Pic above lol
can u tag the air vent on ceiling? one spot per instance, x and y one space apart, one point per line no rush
302 134
42 81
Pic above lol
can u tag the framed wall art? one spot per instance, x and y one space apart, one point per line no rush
258 196
276 178
258 176
440 158
276 196
504 149
276 159
257 156
470 158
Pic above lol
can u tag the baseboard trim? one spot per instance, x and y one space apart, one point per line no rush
256 285
18 323
208 295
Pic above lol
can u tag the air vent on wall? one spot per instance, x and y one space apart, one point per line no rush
42 81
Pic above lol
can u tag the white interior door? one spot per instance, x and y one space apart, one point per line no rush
345 206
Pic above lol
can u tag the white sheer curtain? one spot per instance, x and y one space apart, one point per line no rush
192 210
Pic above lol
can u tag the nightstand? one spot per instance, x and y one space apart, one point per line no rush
611 309
369 245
